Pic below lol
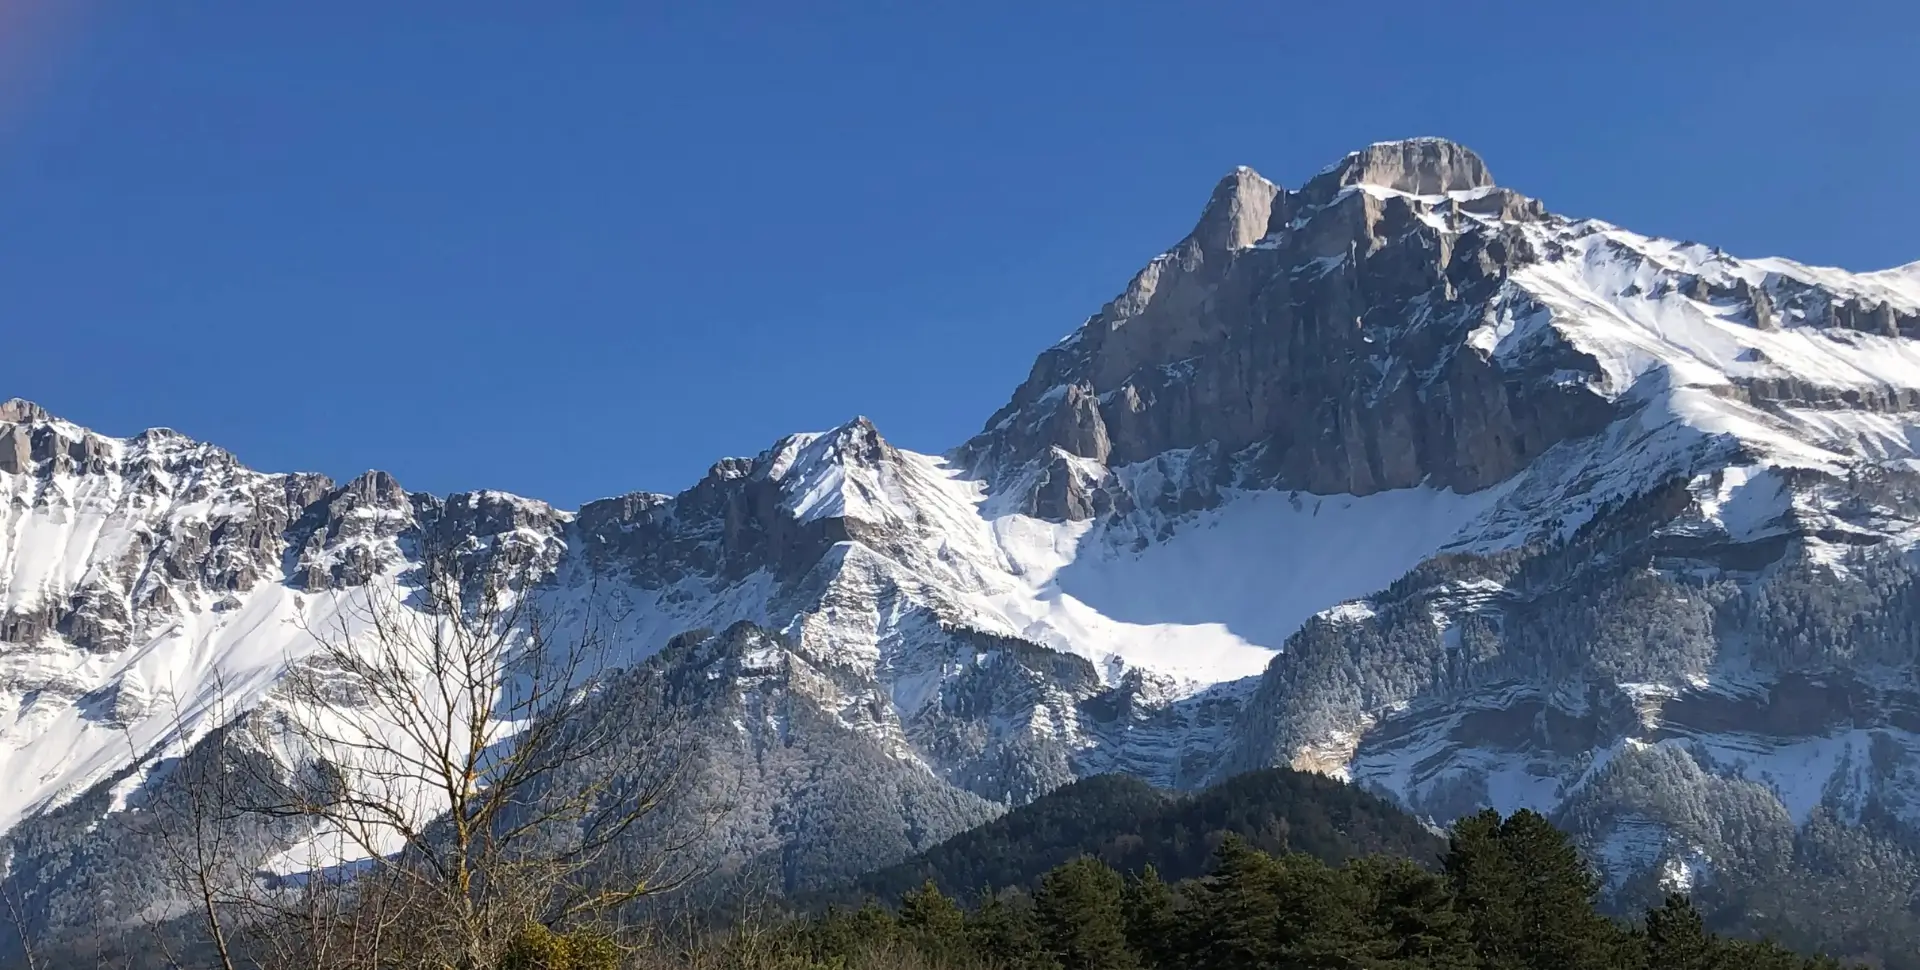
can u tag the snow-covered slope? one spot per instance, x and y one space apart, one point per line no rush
138 575
1396 475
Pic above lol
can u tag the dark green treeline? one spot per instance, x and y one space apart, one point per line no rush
1510 894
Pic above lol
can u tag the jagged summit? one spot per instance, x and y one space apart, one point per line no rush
21 411
1238 213
1420 166
376 487
54 434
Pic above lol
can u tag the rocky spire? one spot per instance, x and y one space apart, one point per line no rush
1237 212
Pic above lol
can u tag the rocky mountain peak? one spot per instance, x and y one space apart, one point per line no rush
1236 214
32 439
376 488
1420 166
21 411
1316 335
856 443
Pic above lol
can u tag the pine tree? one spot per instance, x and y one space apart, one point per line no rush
1767 955
1486 887
1528 894
1677 938
1002 932
841 935
1415 916
932 920
1078 908
1152 925
1321 918
1558 893
1234 907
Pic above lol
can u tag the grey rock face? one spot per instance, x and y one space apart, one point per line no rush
1065 493
16 449
1421 166
161 552
727 526
20 411
1327 346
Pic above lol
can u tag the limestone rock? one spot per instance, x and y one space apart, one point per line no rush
1421 166
1326 347
16 450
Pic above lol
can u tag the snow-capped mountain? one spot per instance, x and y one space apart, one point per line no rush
1397 475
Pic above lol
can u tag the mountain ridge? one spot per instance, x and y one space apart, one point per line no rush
1396 476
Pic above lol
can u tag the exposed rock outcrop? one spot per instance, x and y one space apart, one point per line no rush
1327 345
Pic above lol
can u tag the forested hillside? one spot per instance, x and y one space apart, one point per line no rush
1129 824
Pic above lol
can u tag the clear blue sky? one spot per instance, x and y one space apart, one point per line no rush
577 254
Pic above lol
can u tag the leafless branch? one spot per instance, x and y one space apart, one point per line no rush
457 739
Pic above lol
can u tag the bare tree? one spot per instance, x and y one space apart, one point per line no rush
461 752
17 917
192 816
464 773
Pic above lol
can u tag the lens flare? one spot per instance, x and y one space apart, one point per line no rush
33 35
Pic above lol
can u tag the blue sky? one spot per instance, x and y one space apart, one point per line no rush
576 254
